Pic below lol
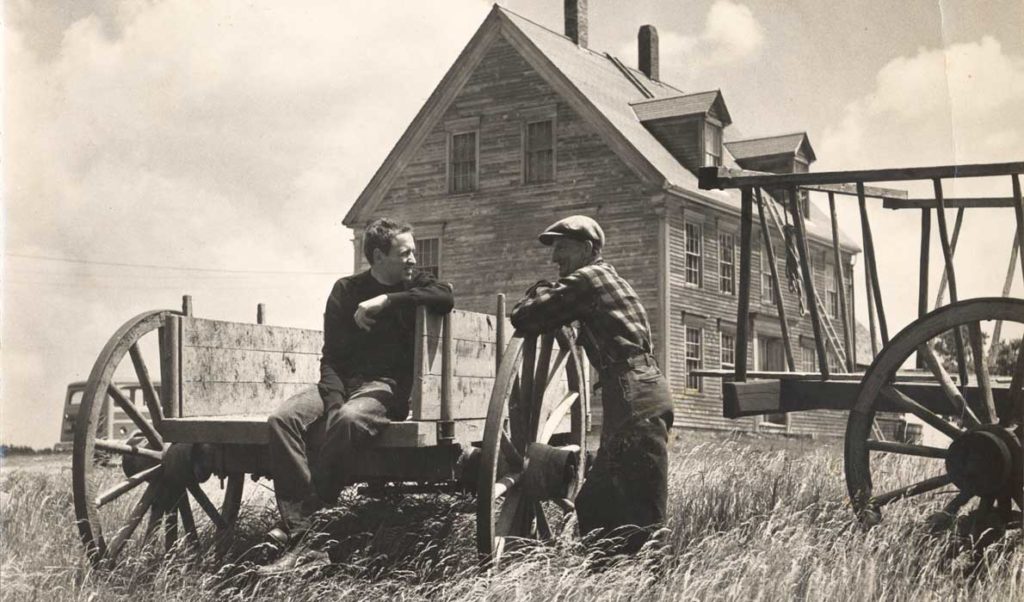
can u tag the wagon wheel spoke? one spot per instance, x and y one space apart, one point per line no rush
233 498
524 401
543 373
943 519
912 490
134 518
1016 393
516 514
906 404
506 483
188 521
127 485
946 384
907 449
148 390
128 449
510 453
204 502
554 419
170 528
132 412
156 518
987 404
543 528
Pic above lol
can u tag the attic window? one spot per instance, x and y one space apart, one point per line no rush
539 152
462 162
712 144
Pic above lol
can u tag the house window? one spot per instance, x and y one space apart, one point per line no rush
727 262
712 145
831 290
463 174
693 359
767 290
808 359
728 345
694 254
428 255
539 152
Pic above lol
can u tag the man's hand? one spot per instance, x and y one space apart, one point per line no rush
366 311
539 287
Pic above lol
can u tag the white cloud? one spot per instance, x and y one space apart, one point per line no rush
731 35
228 135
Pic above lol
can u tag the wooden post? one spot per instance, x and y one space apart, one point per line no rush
171 381
869 256
997 331
186 305
499 332
869 291
743 306
805 267
445 426
922 284
261 313
947 253
1018 209
952 250
779 304
837 258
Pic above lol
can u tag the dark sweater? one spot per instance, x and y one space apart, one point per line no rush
386 350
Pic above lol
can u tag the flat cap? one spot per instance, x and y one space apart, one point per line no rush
576 227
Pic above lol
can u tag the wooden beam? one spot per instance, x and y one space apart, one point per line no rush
947 252
780 304
872 266
851 360
723 177
922 283
805 267
743 306
757 397
967 203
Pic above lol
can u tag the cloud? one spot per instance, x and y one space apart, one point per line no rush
962 103
221 135
731 35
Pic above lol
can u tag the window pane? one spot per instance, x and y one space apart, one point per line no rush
463 162
539 152
694 252
727 259
693 358
767 290
728 351
428 255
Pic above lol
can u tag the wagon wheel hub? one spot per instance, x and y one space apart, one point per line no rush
983 461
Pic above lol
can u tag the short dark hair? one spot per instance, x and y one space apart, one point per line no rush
380 233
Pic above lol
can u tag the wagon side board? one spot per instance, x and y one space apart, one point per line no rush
757 397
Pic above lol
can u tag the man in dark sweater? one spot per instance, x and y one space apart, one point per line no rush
365 381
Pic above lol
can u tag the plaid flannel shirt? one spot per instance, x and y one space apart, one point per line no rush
613 323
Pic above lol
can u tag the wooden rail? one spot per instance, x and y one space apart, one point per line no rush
724 177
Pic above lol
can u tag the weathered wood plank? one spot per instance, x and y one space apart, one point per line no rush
951 203
779 396
228 398
723 177
207 364
196 332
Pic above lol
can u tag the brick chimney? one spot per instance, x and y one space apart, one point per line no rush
648 51
576 21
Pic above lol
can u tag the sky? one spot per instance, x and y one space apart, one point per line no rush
230 138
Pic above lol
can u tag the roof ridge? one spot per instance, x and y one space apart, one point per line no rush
596 53
803 133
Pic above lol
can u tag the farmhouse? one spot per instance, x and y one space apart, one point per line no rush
530 125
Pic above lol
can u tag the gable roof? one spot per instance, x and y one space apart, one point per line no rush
600 88
785 144
682 105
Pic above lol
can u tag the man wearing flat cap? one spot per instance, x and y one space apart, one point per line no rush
623 499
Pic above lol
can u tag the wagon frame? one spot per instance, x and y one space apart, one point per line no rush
504 417
983 420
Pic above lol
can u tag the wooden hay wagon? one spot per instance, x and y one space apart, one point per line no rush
979 419
506 421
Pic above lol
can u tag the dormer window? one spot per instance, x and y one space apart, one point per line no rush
712 144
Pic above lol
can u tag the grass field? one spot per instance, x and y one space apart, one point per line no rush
750 519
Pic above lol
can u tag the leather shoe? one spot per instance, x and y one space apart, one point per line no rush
298 558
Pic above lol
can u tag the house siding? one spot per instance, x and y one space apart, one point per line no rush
488 237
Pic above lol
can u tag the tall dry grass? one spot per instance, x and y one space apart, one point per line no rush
749 520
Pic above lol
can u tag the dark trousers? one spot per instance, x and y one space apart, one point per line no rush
624 497
310 445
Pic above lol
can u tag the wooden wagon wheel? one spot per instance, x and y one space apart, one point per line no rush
983 456
154 479
530 405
